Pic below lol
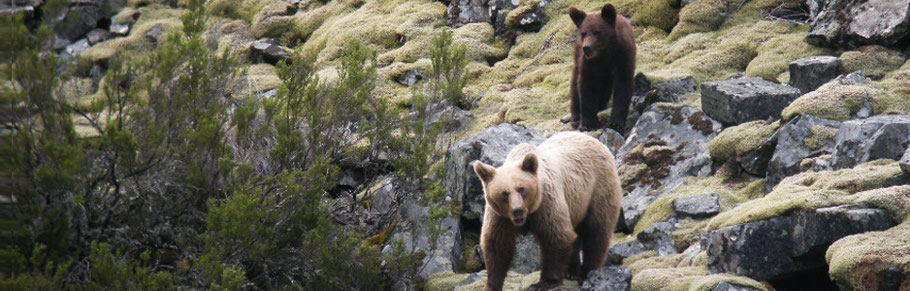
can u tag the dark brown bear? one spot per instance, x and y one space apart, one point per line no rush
604 66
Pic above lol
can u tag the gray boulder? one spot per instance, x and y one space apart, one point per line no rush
453 118
495 12
491 147
264 52
120 29
97 35
803 137
612 139
877 137
609 278
621 251
668 91
808 74
781 246
659 237
74 22
410 77
413 232
756 161
852 24
154 33
905 162
77 48
736 101
668 144
701 206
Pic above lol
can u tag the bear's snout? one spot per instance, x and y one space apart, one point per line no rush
518 213
587 49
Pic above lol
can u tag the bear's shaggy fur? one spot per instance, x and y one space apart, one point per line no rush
565 192
604 66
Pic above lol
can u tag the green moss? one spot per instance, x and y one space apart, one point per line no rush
273 20
703 16
820 136
241 9
774 56
659 13
444 281
857 262
688 233
524 7
735 141
834 100
633 259
813 190
263 77
136 44
873 60
666 278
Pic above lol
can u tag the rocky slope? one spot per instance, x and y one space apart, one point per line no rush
769 145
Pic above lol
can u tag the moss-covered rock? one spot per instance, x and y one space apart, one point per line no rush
812 190
660 14
774 56
735 141
840 100
861 261
136 44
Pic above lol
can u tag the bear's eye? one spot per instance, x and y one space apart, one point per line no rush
505 195
521 190
583 35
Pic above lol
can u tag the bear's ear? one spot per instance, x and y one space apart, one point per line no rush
529 164
577 16
608 13
484 172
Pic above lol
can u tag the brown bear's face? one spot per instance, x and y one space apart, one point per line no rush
596 31
511 191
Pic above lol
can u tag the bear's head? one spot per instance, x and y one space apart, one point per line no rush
512 190
596 31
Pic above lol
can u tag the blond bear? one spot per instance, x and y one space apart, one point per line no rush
565 192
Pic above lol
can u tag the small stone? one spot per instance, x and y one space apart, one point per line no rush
77 48
808 74
622 251
612 139
701 206
264 52
97 35
659 237
740 100
609 278
61 43
905 162
726 286
668 91
410 77
154 33
120 29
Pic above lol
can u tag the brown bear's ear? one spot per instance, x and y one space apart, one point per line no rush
577 16
608 13
529 164
484 172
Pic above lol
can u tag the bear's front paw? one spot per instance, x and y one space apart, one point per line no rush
545 285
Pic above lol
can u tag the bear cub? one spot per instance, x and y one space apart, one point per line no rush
604 66
566 192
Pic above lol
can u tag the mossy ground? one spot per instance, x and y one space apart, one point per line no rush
812 190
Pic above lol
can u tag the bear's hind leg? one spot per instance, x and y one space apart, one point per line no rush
595 236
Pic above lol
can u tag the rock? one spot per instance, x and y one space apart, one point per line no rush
668 91
756 161
877 137
61 43
726 286
854 23
780 246
792 147
455 118
807 74
612 139
622 251
97 35
154 33
701 206
410 77
642 85
76 21
872 260
413 232
609 278
496 12
667 145
905 162
120 29
740 100
527 256
491 147
264 52
659 237
77 48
